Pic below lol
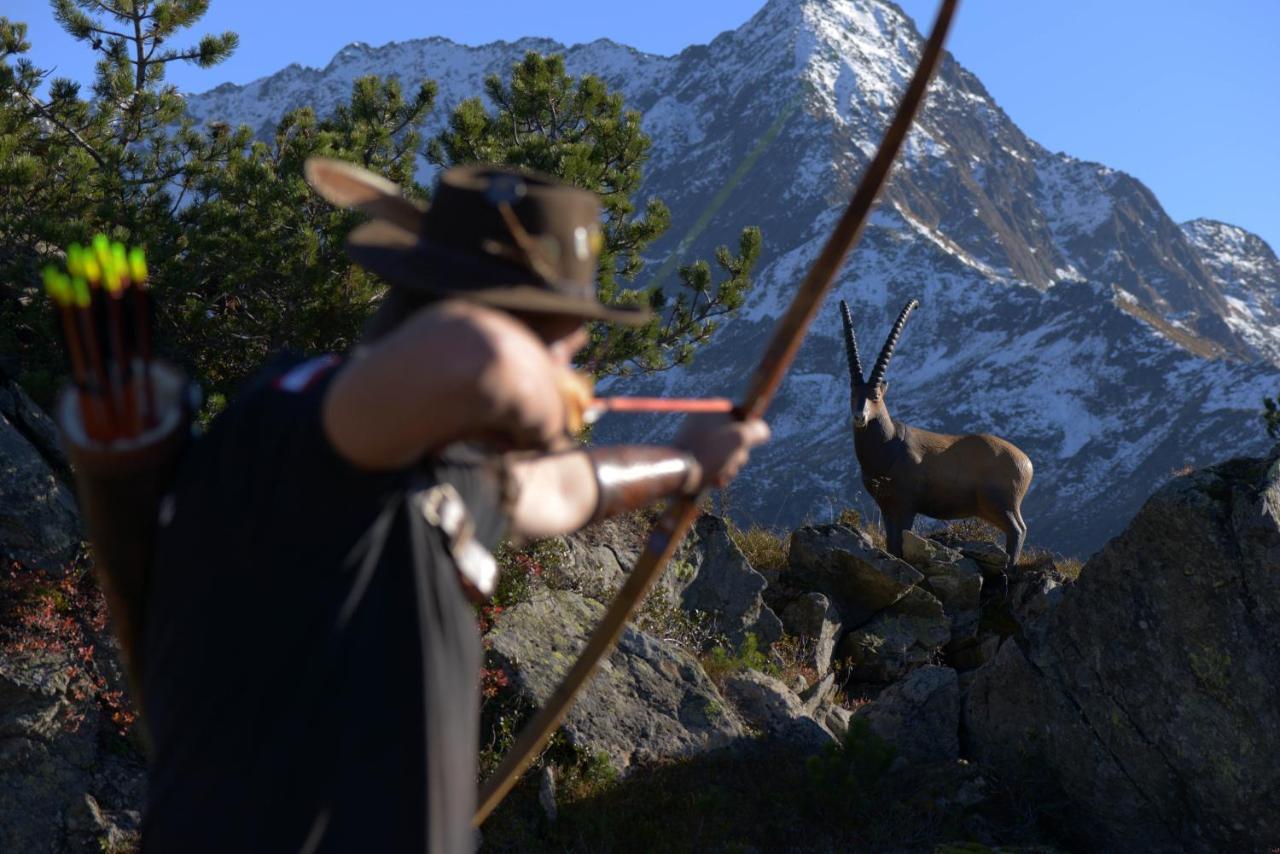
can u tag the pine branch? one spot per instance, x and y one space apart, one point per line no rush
71 132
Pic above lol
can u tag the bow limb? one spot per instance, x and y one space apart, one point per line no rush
781 352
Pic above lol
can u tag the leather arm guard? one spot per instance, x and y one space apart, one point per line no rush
632 476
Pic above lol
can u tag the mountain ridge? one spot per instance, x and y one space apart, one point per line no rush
1063 308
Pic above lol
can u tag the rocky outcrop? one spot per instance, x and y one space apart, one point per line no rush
649 701
919 716
953 579
67 781
722 584
1150 692
39 523
907 634
812 617
842 563
772 708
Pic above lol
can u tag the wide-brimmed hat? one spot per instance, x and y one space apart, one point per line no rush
504 237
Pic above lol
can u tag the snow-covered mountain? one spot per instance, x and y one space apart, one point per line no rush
1062 308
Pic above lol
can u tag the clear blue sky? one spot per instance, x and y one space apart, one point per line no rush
1182 94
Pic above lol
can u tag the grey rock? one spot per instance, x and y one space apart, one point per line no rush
906 635
815 620
919 552
989 557
920 715
956 581
771 707
818 693
650 701
837 719
547 793
974 652
90 828
594 570
841 562
723 585
35 425
1150 693
39 523
1033 596
59 788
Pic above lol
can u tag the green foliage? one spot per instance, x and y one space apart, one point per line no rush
246 259
1271 416
846 779
232 297
719 662
577 130
118 161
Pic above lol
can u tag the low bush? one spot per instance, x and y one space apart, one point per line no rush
764 548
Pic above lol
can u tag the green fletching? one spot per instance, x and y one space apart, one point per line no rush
81 289
137 265
53 285
92 269
120 260
75 260
101 247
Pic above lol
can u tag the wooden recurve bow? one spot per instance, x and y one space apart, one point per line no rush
781 352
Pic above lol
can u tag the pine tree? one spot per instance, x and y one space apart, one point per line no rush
578 131
119 161
245 258
263 266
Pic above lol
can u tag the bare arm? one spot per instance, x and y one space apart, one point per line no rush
455 371
554 494
560 493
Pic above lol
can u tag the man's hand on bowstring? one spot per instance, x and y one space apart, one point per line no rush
721 444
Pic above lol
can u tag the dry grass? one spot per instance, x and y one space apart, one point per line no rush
851 518
764 548
791 655
1069 566
967 530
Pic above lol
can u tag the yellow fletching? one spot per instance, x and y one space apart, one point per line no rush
111 278
137 265
92 270
75 260
81 291
53 285
120 260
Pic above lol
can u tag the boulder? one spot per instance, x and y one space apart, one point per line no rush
989 557
1033 596
769 706
67 782
35 425
818 693
814 620
836 719
39 523
1150 695
649 701
721 583
595 570
920 715
906 635
974 652
842 562
955 580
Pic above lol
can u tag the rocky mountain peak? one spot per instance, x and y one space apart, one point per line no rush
1063 308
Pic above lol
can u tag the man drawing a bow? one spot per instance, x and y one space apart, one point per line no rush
311 656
